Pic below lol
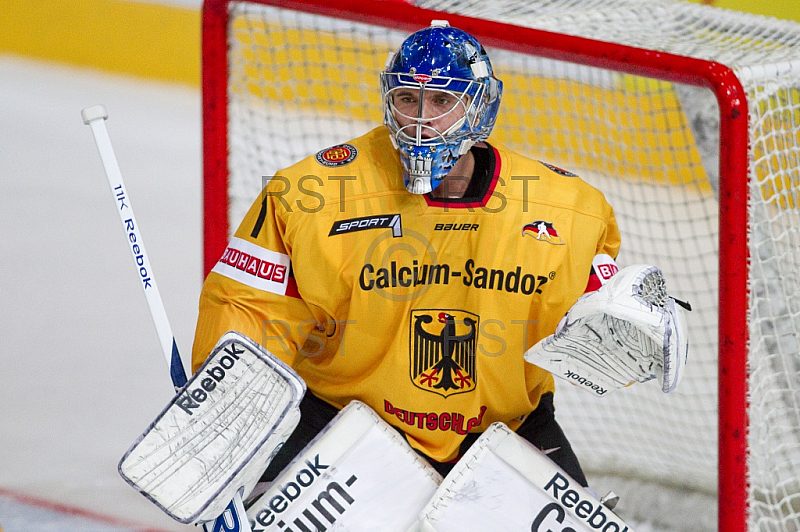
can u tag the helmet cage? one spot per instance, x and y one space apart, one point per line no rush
470 96
428 154
447 60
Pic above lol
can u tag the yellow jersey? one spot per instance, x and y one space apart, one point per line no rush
418 307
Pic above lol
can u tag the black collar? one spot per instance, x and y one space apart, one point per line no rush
482 175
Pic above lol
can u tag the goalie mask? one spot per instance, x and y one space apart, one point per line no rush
440 97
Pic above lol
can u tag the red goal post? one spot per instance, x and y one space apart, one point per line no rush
734 193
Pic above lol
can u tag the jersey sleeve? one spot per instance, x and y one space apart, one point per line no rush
610 240
252 290
604 263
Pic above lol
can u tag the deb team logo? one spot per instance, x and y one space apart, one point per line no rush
442 351
338 155
543 230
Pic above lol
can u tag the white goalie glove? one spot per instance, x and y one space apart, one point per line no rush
629 330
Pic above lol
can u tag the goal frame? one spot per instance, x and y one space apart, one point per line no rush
733 167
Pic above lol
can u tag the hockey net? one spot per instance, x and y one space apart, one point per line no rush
686 116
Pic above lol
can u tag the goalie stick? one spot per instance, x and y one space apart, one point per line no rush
233 519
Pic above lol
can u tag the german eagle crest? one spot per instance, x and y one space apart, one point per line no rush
443 344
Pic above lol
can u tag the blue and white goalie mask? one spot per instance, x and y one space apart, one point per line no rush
440 97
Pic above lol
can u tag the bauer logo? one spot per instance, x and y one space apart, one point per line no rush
456 227
339 155
255 266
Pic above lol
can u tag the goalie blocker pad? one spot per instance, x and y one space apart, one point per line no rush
218 433
359 473
504 483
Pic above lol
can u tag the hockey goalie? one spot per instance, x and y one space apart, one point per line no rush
428 284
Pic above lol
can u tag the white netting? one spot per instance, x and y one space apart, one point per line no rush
299 82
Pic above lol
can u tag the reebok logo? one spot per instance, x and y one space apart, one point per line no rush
329 499
212 376
138 252
591 512
583 381
291 491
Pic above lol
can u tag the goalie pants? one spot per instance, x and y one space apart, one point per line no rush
540 428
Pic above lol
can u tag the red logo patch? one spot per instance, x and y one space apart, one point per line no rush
422 78
607 271
337 155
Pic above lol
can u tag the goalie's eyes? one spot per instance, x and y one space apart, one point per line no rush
435 105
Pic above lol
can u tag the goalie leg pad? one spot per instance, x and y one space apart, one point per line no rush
218 433
504 483
359 473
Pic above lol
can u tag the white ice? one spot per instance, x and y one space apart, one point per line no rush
82 374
